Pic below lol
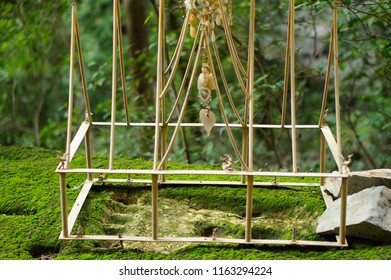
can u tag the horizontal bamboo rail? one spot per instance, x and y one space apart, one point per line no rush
206 240
234 125
202 172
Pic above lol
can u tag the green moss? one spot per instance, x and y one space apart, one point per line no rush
30 220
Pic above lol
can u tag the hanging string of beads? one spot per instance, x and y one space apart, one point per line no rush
208 13
205 85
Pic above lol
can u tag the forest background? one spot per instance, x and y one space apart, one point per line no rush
34 76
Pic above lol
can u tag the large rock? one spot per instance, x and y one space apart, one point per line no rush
360 180
368 215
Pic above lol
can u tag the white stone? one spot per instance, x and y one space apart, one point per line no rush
359 180
368 215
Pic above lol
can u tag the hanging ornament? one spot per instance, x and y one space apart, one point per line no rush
208 119
207 13
205 79
205 85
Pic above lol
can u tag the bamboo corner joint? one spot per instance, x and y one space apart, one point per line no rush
200 19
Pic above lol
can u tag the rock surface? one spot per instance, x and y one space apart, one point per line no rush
368 215
359 181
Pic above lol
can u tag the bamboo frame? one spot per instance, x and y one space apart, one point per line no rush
157 175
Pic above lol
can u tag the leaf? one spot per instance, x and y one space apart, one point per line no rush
208 119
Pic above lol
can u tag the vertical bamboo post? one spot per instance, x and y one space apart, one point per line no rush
322 157
342 226
250 179
155 186
163 108
64 213
82 71
251 87
163 141
293 86
336 82
286 69
159 84
249 207
88 152
114 87
71 81
244 149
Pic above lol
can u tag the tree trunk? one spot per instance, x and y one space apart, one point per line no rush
138 38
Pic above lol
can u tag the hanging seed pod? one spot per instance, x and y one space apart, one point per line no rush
213 36
193 31
218 19
205 79
193 20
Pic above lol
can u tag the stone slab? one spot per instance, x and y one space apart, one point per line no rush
359 180
368 215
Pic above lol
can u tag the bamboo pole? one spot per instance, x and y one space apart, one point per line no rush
231 44
82 72
245 136
322 157
286 70
336 83
327 79
232 50
293 87
85 94
64 213
159 86
233 125
224 80
178 49
249 207
122 64
114 87
155 187
251 87
342 226
163 111
280 242
88 152
250 180
244 151
176 58
71 81
163 141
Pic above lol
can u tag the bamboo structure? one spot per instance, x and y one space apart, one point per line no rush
204 50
